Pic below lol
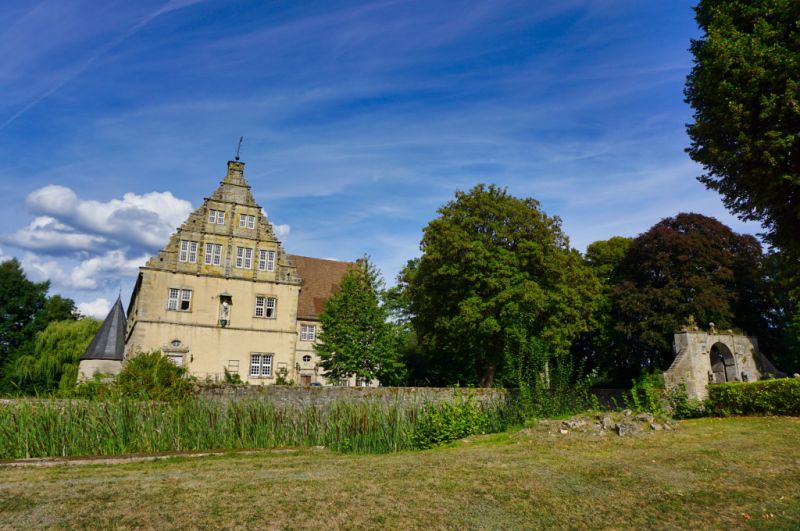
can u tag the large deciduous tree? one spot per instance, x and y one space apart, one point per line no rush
356 338
496 274
53 364
688 266
745 91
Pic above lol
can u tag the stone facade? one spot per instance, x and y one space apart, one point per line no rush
712 357
224 295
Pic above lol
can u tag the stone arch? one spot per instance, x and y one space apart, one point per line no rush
723 364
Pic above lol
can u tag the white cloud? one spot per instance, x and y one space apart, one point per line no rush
48 234
97 308
93 273
140 220
282 230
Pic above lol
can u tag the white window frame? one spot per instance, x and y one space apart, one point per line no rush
260 365
176 297
246 221
266 307
308 332
173 295
188 251
307 358
213 254
266 260
244 257
216 217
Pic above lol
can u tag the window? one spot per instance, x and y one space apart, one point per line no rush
172 300
188 251
307 358
213 254
308 332
244 258
247 222
265 307
179 299
260 365
216 216
266 260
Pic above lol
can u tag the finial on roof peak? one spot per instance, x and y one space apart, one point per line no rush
239 148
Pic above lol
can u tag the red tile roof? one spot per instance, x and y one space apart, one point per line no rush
320 278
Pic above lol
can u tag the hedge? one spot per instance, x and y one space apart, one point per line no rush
766 397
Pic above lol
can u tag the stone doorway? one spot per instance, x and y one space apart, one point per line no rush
305 379
723 366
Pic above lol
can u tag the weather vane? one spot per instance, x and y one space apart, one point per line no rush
239 147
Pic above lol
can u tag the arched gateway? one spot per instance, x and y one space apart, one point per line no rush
713 357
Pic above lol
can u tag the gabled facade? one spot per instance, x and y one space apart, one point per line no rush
224 295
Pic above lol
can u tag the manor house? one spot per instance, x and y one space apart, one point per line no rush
223 295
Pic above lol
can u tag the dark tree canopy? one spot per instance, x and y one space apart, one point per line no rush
494 266
745 91
20 302
689 266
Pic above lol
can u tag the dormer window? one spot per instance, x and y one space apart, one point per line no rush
247 221
216 217
188 251
213 254
266 260
244 258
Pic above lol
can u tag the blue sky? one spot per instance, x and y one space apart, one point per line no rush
360 120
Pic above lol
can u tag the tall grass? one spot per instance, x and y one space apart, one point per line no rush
123 426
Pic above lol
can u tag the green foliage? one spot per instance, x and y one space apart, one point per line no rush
680 406
745 91
689 265
647 394
356 339
444 422
53 363
144 376
597 348
492 262
124 426
766 397
232 378
25 310
282 377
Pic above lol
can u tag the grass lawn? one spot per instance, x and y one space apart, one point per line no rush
710 473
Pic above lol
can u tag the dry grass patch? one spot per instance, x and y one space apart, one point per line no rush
710 473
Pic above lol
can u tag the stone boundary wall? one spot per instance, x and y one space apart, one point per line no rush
320 396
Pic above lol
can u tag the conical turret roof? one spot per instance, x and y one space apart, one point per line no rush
109 343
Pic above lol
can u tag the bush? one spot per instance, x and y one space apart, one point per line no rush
648 395
767 397
441 423
680 406
145 376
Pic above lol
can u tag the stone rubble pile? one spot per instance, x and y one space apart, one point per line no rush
623 424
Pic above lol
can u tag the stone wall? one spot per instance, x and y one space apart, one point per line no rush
304 396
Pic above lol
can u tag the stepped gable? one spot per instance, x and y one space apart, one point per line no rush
109 342
234 196
320 278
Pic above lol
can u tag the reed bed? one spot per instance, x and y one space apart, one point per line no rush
50 428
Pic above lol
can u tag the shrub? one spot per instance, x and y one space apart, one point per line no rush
647 394
441 423
680 406
766 397
152 376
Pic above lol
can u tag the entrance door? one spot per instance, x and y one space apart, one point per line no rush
305 379
722 365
